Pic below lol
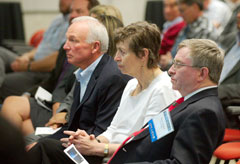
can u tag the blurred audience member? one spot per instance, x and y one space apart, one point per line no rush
111 17
217 12
232 3
198 26
30 68
198 120
106 10
173 25
227 37
228 89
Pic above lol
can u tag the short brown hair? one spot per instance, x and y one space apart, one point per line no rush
191 2
92 3
141 35
205 53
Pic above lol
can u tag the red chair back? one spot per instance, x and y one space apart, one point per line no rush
36 38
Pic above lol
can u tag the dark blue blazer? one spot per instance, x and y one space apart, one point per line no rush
100 102
198 129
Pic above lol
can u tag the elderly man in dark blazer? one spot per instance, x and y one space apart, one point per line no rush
98 88
198 121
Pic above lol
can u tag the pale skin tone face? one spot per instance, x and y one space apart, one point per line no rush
170 10
79 8
64 6
79 52
125 59
185 79
190 13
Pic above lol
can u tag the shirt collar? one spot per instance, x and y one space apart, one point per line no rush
168 24
197 91
87 72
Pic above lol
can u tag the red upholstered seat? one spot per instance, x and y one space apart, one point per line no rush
228 151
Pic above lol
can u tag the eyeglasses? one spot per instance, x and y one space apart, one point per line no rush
177 65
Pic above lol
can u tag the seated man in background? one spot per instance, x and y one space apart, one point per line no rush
99 84
29 69
173 25
198 119
228 89
197 25
218 13
227 37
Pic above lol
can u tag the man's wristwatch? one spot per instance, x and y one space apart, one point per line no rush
106 150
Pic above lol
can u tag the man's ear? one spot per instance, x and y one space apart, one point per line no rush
96 46
204 73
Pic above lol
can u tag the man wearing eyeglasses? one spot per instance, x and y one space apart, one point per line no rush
198 121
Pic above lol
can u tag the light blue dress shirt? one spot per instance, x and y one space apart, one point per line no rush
83 76
53 38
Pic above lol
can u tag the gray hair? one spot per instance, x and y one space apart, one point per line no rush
97 31
205 53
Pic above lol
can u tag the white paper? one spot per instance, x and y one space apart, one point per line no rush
74 155
45 130
43 94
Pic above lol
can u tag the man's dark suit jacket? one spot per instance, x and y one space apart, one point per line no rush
229 88
198 129
100 101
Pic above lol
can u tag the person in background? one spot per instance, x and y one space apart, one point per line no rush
30 68
198 119
173 25
229 82
232 4
218 13
197 25
106 10
112 19
227 37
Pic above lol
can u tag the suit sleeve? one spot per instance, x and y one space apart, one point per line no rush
228 92
65 106
195 140
108 102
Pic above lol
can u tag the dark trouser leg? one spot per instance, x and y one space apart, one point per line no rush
49 151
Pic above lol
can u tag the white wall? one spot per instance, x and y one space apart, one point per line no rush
37 14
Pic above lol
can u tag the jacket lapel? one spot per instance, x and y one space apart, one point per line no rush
194 98
235 69
93 80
